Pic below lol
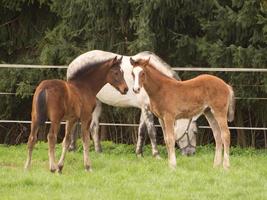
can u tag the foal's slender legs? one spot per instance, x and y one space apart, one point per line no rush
94 126
52 138
225 135
74 136
86 139
94 129
170 140
217 136
31 142
141 137
161 122
66 142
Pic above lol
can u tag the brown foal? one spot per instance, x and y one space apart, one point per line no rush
71 100
171 100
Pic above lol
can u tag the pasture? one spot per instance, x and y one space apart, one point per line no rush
119 174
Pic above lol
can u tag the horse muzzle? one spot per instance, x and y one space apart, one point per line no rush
124 90
136 90
188 151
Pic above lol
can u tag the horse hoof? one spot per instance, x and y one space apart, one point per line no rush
158 157
72 148
98 150
53 170
139 155
172 167
26 167
88 169
59 170
226 167
172 164
215 166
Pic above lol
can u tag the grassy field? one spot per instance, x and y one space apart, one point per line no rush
119 174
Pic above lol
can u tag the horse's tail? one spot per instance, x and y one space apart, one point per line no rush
41 110
231 106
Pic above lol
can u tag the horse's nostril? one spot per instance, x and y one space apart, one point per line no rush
125 90
137 90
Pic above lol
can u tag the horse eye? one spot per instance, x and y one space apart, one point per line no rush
117 73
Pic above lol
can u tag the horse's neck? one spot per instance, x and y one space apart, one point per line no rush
154 80
93 81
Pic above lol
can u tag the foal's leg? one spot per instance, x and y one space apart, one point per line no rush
52 138
74 137
31 142
86 140
141 137
225 135
170 140
149 120
217 136
94 126
65 143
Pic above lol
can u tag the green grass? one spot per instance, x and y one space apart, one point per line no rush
119 174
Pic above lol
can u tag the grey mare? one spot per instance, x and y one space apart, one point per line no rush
184 129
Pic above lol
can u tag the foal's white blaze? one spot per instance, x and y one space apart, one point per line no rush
136 72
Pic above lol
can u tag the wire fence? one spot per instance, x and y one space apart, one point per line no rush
136 125
195 69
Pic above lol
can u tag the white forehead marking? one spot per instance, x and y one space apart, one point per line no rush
136 72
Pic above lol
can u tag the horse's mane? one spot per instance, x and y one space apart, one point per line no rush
87 61
93 58
158 63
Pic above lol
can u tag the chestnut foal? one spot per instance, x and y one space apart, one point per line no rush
171 100
72 100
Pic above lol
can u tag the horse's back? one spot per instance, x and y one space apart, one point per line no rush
207 82
52 83
53 88
56 90
217 92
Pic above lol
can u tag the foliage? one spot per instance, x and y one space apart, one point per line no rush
208 33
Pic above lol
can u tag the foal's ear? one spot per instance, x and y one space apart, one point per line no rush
120 59
146 62
133 62
114 60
